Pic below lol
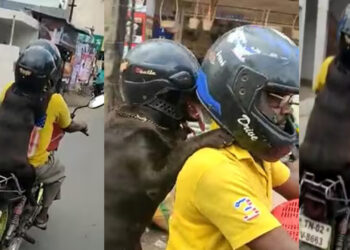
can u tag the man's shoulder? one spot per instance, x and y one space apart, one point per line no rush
7 85
57 97
4 90
208 155
329 59
212 161
57 106
57 100
322 75
327 62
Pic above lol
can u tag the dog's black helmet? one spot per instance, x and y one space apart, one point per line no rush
159 73
38 67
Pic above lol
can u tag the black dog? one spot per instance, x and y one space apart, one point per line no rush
142 162
18 113
326 147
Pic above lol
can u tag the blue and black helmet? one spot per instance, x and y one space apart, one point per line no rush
238 69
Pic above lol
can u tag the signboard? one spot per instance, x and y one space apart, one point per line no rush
58 32
98 41
46 3
139 34
149 27
140 5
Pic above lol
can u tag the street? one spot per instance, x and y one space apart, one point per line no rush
76 221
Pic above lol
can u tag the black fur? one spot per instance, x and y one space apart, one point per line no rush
325 150
17 117
141 166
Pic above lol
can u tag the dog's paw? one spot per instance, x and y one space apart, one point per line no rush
218 138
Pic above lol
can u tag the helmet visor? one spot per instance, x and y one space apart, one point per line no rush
279 108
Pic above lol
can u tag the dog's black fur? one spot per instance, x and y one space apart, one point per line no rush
141 165
17 117
326 147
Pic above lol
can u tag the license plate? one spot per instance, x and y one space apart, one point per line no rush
314 233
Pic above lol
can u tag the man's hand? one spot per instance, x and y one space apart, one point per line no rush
217 138
77 127
84 129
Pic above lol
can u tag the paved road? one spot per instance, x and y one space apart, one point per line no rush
76 221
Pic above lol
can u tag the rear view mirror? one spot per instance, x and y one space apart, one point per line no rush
97 101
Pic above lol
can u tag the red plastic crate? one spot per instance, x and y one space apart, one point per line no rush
288 215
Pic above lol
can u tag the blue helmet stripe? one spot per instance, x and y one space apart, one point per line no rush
204 95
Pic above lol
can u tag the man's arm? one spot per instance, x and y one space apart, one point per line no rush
290 189
64 119
287 187
275 239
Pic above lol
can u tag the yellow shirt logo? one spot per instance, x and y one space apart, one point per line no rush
248 208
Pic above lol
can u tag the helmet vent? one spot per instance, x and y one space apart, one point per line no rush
165 108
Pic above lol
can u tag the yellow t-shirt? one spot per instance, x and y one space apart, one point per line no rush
321 78
57 112
223 200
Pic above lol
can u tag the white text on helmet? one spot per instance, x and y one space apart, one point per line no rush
221 60
245 121
145 72
25 72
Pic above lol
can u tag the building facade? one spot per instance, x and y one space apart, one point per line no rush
318 25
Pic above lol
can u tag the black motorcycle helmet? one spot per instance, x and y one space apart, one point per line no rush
158 74
38 68
343 36
238 70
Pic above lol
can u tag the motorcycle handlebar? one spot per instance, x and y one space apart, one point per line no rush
72 115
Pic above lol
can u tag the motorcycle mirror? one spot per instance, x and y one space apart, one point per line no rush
97 101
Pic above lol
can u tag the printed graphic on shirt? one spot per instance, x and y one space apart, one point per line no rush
35 136
249 209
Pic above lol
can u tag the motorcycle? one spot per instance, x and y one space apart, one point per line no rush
18 208
324 213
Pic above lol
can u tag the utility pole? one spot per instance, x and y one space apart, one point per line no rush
115 13
132 20
72 6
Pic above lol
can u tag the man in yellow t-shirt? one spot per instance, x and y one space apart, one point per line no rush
37 73
223 196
